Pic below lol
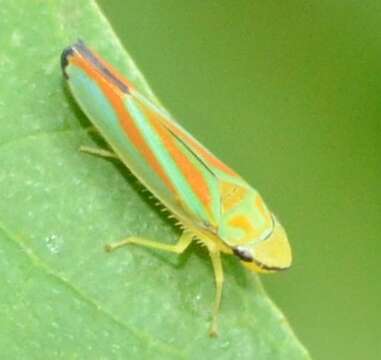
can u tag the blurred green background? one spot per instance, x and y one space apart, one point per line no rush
288 94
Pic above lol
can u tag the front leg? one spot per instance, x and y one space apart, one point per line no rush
99 152
178 248
215 256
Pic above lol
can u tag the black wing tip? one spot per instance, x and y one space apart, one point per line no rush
66 53
69 51
82 50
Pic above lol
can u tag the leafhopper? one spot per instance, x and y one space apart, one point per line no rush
214 205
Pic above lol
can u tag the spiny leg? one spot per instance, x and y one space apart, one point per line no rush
179 247
219 278
98 152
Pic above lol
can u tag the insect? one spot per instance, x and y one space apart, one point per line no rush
213 203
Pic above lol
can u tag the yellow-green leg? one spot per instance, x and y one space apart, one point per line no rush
179 247
219 278
98 152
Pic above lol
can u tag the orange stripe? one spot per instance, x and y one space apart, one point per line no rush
242 222
192 174
124 117
206 154
231 194
112 70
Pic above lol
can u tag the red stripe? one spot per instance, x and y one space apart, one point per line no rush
192 174
115 97
200 149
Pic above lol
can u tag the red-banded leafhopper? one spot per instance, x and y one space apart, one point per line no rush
211 201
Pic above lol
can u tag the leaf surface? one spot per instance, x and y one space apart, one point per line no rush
61 295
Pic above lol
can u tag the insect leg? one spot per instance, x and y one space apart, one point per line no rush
98 152
179 247
219 278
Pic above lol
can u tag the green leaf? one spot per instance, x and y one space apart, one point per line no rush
61 295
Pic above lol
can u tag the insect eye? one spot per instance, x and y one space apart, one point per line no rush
243 253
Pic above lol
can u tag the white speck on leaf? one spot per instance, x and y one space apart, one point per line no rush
16 39
53 243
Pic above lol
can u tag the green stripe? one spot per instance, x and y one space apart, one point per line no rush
98 108
183 189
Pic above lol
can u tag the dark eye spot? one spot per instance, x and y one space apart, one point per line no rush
243 253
